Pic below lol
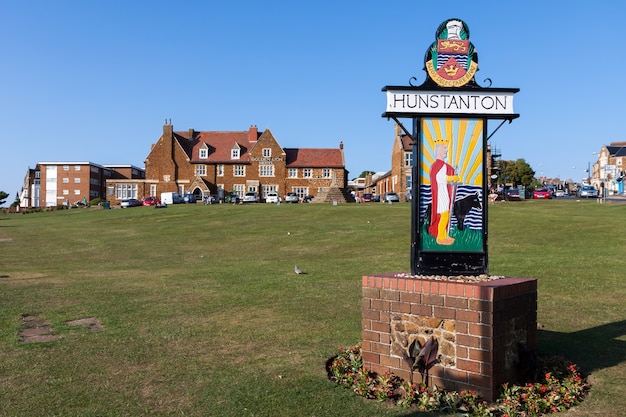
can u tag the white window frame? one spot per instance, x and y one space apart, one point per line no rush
220 170
266 170
307 173
327 173
267 152
200 170
126 191
234 154
240 189
239 170
204 153
408 159
293 172
268 189
301 192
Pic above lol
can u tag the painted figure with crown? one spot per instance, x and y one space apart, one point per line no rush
443 180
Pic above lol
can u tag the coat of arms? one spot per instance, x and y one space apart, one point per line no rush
452 61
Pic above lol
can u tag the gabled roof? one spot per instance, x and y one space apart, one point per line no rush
616 150
314 157
219 144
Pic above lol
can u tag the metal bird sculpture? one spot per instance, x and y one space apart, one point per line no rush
298 270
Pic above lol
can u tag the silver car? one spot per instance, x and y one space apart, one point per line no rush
292 198
391 197
588 191
251 197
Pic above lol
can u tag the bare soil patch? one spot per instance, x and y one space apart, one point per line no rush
34 328
91 323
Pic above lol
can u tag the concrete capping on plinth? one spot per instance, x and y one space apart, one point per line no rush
480 325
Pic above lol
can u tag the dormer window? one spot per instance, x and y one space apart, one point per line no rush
234 154
204 153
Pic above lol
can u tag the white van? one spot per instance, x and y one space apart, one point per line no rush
171 198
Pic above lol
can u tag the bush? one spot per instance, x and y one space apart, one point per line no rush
561 387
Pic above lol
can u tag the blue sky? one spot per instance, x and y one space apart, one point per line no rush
95 80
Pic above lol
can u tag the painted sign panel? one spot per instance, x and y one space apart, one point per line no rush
451 184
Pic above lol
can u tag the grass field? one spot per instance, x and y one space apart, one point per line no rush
204 316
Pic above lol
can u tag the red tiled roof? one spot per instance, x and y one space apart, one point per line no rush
219 145
407 143
314 157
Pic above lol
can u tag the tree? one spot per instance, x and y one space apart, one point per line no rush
517 172
3 195
364 174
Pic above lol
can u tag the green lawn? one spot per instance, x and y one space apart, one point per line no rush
204 316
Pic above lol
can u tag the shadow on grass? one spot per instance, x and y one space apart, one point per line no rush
591 349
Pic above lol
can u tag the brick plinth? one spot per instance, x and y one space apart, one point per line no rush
480 327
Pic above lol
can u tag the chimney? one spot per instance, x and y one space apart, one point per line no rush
254 133
191 132
168 129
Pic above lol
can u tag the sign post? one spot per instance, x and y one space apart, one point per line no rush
450 114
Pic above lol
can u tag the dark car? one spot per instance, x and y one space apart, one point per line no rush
130 202
367 198
512 192
210 199
232 198
189 198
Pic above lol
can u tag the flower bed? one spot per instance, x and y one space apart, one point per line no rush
559 386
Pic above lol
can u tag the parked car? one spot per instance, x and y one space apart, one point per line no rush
189 198
210 199
512 192
292 198
130 202
271 197
251 197
232 198
391 197
151 201
367 198
587 191
560 193
542 194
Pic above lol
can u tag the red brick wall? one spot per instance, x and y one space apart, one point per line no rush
479 326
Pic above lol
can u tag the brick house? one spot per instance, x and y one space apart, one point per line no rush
51 184
214 163
399 178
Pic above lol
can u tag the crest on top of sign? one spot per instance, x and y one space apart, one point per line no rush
452 60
